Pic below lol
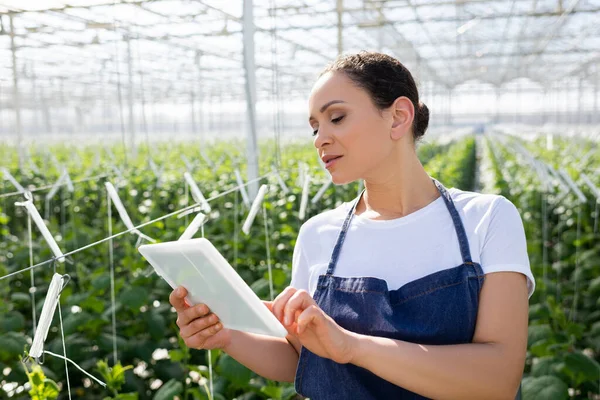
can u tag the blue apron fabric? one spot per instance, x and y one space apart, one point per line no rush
438 309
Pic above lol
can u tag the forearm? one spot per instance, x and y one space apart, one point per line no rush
464 371
270 357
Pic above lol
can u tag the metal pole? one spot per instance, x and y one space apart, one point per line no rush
596 93
132 143
16 99
250 72
340 25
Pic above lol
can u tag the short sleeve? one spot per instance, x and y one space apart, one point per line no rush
300 265
505 246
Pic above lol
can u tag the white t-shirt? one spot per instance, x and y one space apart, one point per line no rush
416 245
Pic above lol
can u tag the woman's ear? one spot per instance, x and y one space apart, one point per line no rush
403 114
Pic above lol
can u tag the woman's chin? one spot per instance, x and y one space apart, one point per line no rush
340 179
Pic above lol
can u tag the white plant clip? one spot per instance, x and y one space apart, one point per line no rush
193 227
240 182
57 284
114 196
572 185
304 199
254 209
35 215
64 179
321 191
32 166
302 170
121 180
55 162
280 181
196 192
591 185
158 172
68 181
207 160
188 165
8 176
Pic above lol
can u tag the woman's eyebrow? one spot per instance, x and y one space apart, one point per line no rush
325 106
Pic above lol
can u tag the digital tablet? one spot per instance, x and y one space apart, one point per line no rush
199 267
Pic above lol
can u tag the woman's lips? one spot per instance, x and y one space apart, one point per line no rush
331 162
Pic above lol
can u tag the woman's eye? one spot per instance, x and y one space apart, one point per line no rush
337 120
315 132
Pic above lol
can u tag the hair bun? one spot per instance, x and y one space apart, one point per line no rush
422 118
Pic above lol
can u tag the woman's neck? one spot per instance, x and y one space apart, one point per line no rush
397 190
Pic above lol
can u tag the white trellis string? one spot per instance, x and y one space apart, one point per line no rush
62 337
210 371
267 244
36 189
12 180
37 218
254 209
234 189
32 274
112 279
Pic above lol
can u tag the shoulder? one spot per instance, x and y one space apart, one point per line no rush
325 220
482 206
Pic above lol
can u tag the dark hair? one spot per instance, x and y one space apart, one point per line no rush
385 79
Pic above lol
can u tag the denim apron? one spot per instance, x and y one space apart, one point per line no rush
438 309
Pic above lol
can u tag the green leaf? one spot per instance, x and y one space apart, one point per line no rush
169 390
544 388
157 325
234 371
20 298
133 297
272 391
176 355
544 366
582 368
594 287
101 282
127 396
11 344
12 321
50 390
539 332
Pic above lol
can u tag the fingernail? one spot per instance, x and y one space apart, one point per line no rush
219 326
179 291
286 320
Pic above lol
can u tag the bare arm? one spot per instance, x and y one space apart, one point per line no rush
272 358
489 368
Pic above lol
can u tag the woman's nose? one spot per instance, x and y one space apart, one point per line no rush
322 138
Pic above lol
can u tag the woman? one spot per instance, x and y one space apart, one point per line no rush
410 291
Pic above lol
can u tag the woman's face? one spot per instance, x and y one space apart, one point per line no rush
346 124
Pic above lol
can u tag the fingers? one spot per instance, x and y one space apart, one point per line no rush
268 304
205 327
190 314
281 300
308 316
177 299
299 301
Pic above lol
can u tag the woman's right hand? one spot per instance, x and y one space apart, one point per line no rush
198 327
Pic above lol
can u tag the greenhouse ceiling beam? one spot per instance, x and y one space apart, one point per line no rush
447 83
433 20
126 32
260 29
395 4
505 66
554 29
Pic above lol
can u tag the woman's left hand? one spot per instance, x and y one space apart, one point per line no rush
317 331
